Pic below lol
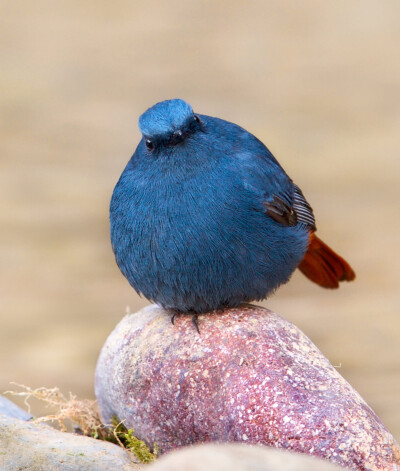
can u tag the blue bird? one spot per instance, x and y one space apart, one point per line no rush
203 217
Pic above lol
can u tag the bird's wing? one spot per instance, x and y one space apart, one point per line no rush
282 200
290 209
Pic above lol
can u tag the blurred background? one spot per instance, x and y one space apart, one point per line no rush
318 82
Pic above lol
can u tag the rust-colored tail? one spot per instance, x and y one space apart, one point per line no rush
323 266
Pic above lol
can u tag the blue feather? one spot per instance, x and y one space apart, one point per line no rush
165 117
188 223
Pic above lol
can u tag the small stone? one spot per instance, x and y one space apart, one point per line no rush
238 457
312 411
10 409
38 447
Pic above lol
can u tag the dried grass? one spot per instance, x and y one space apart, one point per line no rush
85 414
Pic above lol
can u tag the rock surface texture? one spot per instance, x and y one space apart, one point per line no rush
238 457
38 447
250 376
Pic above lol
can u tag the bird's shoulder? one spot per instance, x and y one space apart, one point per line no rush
247 157
253 163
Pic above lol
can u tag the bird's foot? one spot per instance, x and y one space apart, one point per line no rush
194 315
195 319
174 314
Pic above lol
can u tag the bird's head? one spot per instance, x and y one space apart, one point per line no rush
169 122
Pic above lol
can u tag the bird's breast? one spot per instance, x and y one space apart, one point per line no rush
206 239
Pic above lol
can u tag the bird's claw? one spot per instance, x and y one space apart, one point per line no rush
173 318
194 315
195 318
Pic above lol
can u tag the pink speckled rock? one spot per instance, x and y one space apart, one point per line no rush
250 376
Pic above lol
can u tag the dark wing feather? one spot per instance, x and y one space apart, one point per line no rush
290 209
280 211
302 208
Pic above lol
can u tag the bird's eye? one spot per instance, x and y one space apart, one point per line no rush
149 144
197 119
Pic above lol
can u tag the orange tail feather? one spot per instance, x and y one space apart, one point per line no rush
323 266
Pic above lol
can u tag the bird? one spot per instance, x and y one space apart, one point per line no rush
204 218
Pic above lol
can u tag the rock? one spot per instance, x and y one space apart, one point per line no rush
250 376
10 409
38 447
238 457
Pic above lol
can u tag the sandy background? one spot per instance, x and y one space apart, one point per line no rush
318 82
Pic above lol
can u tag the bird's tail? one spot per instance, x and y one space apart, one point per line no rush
323 266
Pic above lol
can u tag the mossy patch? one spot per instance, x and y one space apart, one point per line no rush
126 438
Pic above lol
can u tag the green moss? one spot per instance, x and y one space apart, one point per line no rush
128 440
139 448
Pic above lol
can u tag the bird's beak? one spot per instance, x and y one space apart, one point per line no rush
177 137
